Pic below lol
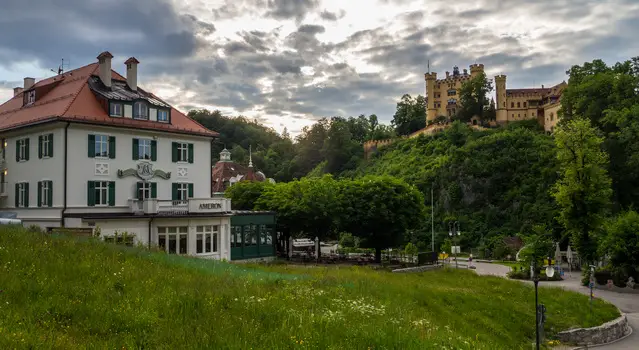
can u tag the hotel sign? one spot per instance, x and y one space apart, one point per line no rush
210 206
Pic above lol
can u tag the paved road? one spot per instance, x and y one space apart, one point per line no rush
627 303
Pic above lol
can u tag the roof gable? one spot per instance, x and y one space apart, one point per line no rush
69 97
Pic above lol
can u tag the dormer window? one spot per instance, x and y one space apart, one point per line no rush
163 115
29 97
140 111
115 109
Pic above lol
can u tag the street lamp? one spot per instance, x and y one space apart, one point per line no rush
453 231
540 309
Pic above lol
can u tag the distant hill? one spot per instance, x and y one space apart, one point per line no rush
495 182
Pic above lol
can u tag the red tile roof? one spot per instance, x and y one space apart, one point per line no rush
223 171
71 99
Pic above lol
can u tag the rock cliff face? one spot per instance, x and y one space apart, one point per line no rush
606 333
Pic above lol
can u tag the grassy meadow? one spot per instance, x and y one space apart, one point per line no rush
62 293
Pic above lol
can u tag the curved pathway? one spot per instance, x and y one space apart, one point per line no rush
627 303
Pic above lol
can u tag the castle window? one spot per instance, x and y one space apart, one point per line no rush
452 92
512 105
504 104
518 105
551 116
518 115
524 104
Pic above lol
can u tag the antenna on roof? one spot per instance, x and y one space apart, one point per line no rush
60 68
428 66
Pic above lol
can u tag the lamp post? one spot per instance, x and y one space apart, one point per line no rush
539 308
453 231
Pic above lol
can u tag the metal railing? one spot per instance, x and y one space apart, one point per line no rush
173 207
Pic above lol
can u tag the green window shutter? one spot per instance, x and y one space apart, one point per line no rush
91 146
136 149
174 152
91 193
190 153
26 194
190 190
27 149
50 194
40 147
50 145
174 191
39 193
138 188
17 195
112 147
154 150
111 193
17 150
154 190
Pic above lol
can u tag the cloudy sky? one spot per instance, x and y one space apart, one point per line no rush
290 62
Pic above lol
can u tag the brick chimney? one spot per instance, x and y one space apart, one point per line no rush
132 73
28 83
104 59
17 91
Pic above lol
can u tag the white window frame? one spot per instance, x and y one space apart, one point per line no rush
164 233
101 145
209 236
22 191
101 193
165 114
183 191
45 146
137 109
144 149
183 152
31 97
22 149
145 191
116 109
44 193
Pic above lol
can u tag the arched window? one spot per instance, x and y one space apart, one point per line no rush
524 104
518 105
140 110
551 116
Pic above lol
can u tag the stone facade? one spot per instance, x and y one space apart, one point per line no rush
606 333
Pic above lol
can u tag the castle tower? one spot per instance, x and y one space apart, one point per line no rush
431 111
476 69
500 92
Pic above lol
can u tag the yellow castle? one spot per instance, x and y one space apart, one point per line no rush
442 99
511 104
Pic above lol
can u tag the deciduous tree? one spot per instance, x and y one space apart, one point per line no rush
583 191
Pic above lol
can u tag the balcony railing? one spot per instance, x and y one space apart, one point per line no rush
180 207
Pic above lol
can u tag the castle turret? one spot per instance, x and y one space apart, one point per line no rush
500 92
476 69
431 111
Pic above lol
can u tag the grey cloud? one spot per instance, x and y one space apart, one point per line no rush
290 9
311 29
141 28
332 16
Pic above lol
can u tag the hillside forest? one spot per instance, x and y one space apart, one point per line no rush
578 186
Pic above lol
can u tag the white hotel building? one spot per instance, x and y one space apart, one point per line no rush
88 148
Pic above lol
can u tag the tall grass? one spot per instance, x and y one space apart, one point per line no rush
66 294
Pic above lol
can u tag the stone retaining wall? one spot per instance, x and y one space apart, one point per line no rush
418 268
606 333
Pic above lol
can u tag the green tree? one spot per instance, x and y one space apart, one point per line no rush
410 115
621 245
379 210
473 98
411 250
537 246
583 191
245 194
